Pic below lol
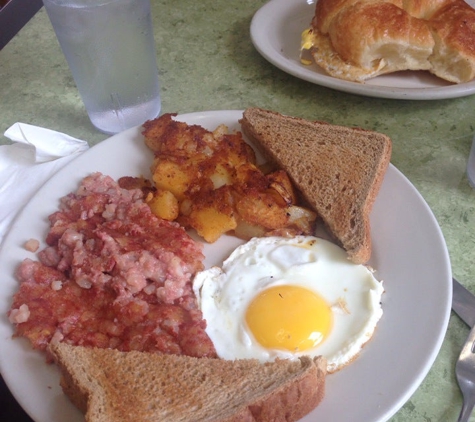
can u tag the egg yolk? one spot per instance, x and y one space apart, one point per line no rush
289 317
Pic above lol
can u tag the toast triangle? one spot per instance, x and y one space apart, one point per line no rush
113 386
339 170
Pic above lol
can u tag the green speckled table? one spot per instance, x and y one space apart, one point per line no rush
207 62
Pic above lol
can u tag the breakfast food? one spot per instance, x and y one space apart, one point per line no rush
339 170
117 278
283 298
108 385
113 275
209 181
360 39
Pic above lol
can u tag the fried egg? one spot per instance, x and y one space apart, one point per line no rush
280 297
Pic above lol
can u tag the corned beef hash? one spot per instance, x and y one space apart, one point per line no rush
113 276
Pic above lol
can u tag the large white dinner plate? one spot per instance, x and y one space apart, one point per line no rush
275 32
409 254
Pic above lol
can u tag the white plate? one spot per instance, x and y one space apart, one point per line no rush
276 29
409 254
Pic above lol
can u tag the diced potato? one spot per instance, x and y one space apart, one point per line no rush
128 182
210 223
244 154
213 214
186 206
221 176
277 198
280 182
251 178
262 210
246 231
220 131
173 177
302 218
164 205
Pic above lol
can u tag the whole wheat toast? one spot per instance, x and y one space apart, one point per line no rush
111 386
339 170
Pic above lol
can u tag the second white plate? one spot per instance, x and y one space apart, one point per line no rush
276 30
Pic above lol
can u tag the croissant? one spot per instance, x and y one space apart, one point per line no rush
359 39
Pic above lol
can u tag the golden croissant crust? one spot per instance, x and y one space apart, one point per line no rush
360 39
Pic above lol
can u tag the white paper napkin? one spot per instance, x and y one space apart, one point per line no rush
36 154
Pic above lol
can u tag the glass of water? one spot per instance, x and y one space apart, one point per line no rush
110 50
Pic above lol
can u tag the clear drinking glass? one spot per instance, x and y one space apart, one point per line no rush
110 49
471 165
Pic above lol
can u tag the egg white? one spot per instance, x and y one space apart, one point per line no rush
351 290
